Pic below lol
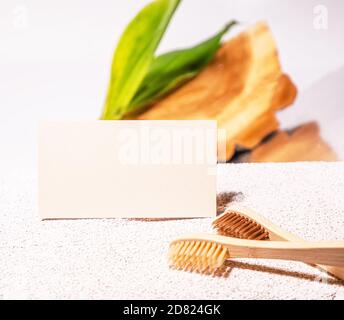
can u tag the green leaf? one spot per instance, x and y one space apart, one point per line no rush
170 70
134 55
152 93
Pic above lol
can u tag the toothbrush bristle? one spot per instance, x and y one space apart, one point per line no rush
200 256
233 224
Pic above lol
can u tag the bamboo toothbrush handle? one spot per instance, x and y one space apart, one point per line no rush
278 234
327 253
286 236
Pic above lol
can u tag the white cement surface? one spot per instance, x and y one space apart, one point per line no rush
123 259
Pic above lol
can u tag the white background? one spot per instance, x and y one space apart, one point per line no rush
55 55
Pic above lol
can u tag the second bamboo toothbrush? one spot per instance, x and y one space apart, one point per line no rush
246 224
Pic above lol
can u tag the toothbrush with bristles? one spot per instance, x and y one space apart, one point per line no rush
206 253
244 223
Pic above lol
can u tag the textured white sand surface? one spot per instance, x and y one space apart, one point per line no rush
120 259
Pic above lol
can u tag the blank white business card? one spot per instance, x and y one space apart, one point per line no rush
127 169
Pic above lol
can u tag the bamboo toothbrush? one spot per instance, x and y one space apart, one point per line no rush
247 224
207 253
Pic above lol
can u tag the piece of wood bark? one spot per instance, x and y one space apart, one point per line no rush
302 144
241 88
